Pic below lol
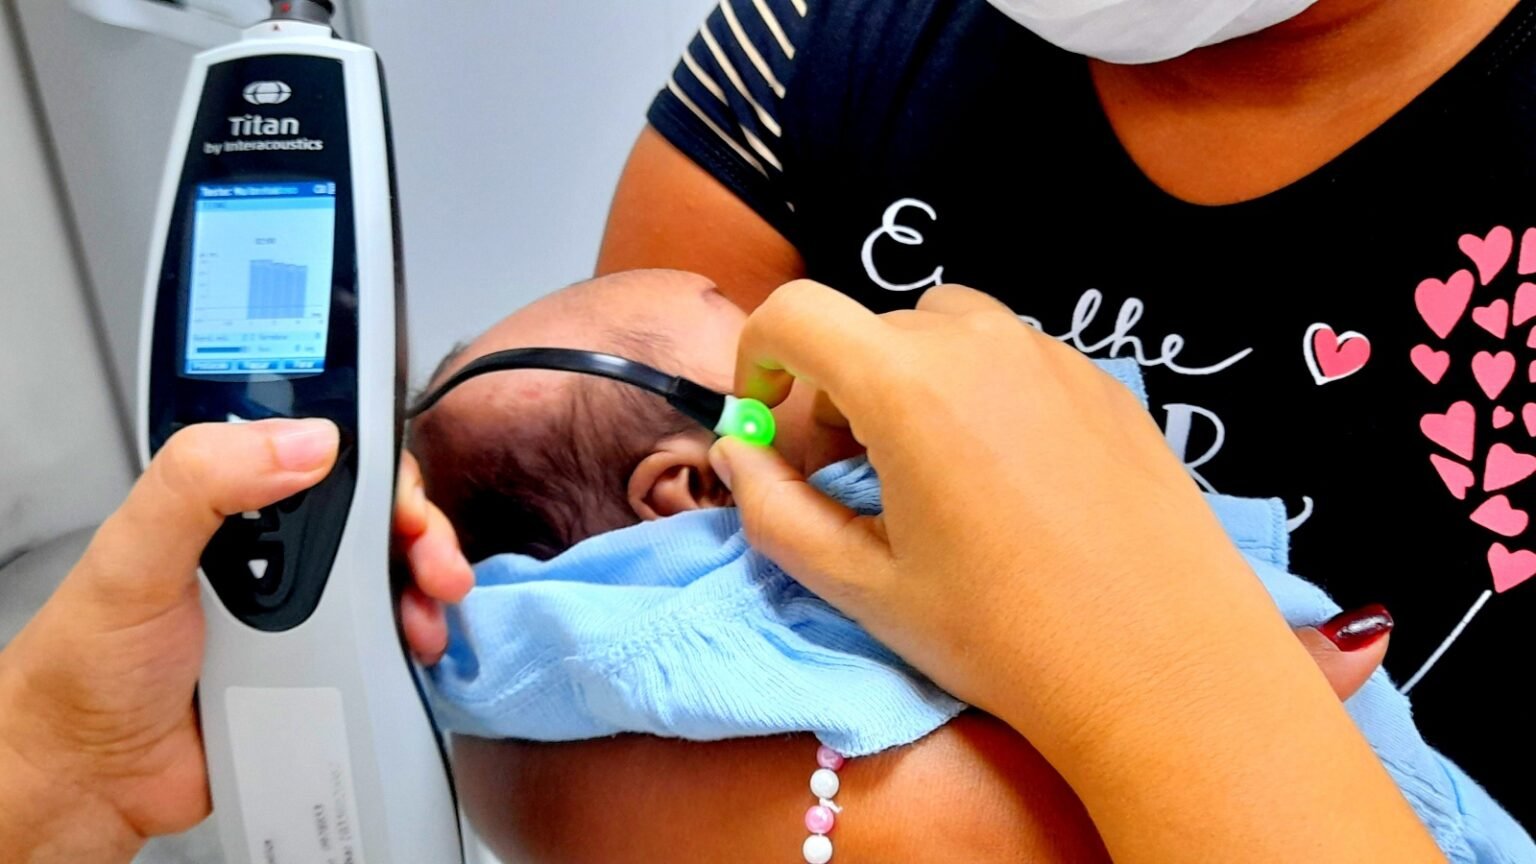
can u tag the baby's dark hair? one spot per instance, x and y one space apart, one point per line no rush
540 484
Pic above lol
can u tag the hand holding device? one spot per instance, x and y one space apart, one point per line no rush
99 746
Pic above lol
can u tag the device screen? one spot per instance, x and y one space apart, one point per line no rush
260 298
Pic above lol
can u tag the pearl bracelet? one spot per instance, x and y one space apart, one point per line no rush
820 818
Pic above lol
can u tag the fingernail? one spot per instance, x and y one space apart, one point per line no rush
419 500
304 445
1353 630
719 461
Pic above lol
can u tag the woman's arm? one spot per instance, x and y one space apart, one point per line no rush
1059 569
668 212
973 791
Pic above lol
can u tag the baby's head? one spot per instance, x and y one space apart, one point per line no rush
532 461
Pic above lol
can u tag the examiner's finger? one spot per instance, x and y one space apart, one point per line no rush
807 331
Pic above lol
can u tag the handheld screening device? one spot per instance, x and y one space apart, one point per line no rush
273 291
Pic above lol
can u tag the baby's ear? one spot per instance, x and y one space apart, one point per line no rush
676 478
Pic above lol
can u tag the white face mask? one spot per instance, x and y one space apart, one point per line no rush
1145 31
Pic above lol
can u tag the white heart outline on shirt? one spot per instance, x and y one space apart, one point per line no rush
1310 352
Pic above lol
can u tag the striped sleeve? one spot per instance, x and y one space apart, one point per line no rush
721 106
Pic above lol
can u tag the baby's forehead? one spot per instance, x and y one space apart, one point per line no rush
656 309
674 321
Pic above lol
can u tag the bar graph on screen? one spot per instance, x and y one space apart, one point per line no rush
276 290
261 274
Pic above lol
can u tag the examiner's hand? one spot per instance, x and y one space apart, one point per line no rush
1043 555
99 744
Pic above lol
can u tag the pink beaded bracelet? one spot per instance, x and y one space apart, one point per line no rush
822 815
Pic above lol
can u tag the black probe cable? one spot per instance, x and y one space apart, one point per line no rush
695 400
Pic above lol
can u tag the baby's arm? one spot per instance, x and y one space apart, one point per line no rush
973 791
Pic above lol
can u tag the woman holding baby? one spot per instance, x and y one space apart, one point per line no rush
1265 176
1219 192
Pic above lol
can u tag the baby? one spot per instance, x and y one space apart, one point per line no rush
534 463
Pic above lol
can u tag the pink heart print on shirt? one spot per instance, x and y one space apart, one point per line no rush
1506 466
1504 319
1525 301
1528 252
1499 516
1493 371
1430 363
1442 304
1490 253
1510 568
1457 477
1455 430
1334 357
1494 318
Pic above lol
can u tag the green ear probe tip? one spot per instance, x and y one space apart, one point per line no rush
748 420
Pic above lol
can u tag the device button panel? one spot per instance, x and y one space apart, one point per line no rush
270 566
264 519
265 569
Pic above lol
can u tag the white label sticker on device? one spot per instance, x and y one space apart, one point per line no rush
294 775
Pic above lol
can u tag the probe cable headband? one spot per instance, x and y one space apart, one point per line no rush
723 414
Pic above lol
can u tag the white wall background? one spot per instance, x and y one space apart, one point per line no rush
64 460
512 120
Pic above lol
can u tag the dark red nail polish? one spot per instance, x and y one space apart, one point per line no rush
1355 629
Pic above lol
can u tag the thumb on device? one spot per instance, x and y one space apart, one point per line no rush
145 555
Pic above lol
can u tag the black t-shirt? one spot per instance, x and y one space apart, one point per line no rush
1359 343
